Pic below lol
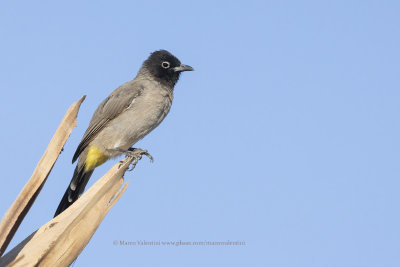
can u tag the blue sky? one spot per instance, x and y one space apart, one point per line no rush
285 137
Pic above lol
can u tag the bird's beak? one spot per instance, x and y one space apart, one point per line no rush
183 67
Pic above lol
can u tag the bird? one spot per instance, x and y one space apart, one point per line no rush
127 115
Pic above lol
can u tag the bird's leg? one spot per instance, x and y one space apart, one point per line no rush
136 154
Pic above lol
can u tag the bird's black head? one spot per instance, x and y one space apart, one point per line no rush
165 66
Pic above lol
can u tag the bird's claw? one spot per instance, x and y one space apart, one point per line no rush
136 154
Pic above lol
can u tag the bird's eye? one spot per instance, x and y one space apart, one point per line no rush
165 64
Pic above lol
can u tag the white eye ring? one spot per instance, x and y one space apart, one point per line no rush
165 64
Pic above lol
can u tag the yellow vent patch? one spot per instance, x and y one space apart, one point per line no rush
94 158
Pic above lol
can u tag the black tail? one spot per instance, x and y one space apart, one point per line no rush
75 188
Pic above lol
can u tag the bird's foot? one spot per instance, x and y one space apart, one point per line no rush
136 154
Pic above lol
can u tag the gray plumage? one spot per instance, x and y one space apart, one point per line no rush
128 114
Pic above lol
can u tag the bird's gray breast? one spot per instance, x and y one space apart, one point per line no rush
144 113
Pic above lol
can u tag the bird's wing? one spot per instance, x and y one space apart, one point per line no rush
116 103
